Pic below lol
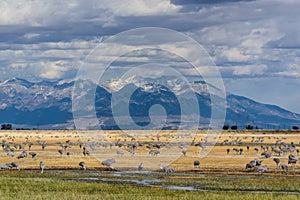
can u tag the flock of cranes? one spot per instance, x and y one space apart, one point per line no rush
278 152
256 164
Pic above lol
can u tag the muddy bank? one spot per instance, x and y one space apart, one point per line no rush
125 178
192 172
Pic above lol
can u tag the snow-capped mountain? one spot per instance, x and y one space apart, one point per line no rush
177 85
49 104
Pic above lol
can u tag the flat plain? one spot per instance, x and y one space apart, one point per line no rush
170 144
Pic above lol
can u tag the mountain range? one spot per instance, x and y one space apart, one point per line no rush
48 105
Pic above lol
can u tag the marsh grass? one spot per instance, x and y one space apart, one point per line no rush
240 183
27 185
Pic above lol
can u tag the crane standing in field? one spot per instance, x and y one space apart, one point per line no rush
284 168
14 165
33 154
167 170
85 152
292 160
42 167
277 161
227 150
196 163
108 163
22 155
82 165
61 152
140 167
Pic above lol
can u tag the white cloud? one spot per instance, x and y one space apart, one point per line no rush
43 12
293 70
31 35
255 42
235 55
44 60
249 70
140 7
19 65
14 12
51 70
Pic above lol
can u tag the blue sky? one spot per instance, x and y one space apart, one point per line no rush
255 44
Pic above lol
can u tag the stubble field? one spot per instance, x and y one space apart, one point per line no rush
170 144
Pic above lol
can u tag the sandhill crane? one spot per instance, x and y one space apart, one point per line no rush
22 155
132 152
4 166
33 154
253 163
82 165
196 163
284 168
277 152
4 144
241 151
61 152
154 152
236 150
44 144
258 162
167 170
266 154
120 153
108 163
227 150
85 152
249 165
260 169
140 167
13 165
42 167
10 154
292 160
277 161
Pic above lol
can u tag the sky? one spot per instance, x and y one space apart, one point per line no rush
255 44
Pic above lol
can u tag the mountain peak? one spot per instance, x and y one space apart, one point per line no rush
39 102
18 81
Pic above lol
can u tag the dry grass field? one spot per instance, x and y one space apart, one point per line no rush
170 144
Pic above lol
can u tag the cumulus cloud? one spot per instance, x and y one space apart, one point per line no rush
41 13
246 39
52 70
249 70
235 55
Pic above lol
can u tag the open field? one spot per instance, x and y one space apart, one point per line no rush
170 144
